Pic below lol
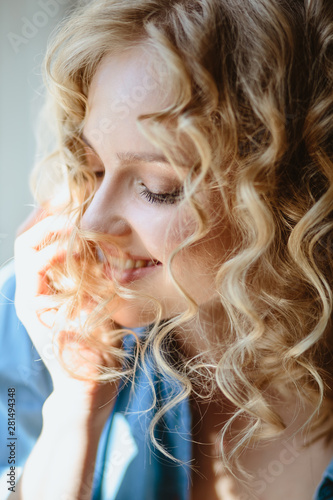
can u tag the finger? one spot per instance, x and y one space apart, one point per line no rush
41 233
49 256
35 216
36 313
30 261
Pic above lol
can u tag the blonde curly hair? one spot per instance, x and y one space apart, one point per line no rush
252 85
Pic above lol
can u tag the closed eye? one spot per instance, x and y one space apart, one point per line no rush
167 198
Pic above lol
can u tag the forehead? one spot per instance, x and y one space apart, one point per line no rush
124 87
128 84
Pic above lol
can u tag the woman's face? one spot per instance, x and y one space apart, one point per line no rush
137 197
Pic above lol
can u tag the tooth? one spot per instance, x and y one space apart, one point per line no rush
140 263
150 263
129 264
115 261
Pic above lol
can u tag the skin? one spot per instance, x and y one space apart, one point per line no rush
121 210
140 228
149 231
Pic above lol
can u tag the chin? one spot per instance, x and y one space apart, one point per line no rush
137 314
130 315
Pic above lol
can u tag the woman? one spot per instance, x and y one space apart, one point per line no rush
178 285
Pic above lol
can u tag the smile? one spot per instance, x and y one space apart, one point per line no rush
125 271
124 264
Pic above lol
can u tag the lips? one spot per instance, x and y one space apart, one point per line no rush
127 269
131 263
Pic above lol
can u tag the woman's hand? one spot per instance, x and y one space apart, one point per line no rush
36 251
62 462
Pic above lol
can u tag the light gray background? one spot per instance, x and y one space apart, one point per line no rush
25 26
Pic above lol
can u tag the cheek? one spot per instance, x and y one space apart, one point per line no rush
163 229
152 234
198 264
178 229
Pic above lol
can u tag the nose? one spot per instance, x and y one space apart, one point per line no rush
105 214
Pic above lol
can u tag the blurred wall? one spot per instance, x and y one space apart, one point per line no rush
25 26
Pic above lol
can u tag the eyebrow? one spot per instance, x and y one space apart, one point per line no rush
124 156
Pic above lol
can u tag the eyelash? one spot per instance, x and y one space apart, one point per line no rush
160 198
166 198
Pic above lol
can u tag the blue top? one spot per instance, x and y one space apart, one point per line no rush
127 466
